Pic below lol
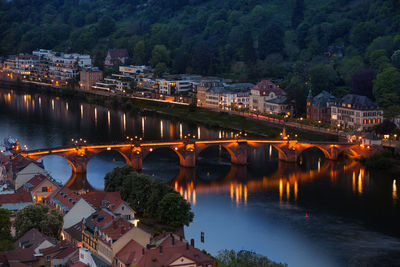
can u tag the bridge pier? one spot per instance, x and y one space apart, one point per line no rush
188 159
239 153
136 161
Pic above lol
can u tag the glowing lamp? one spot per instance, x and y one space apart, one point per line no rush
151 149
108 148
176 148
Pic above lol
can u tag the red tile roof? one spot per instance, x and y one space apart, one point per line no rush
109 200
131 253
60 246
19 197
75 231
19 162
34 182
100 219
117 228
118 53
79 264
169 250
66 252
266 87
20 255
65 197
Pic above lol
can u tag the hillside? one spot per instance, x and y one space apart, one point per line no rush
339 46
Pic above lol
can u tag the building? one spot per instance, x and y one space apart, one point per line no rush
89 77
80 210
88 258
58 255
167 250
34 239
16 201
111 201
371 139
319 106
203 85
73 234
41 187
116 56
18 257
357 112
62 200
267 97
172 87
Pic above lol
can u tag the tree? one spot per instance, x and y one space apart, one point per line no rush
160 54
363 33
139 53
386 127
38 216
349 66
158 190
160 69
362 83
174 210
323 77
245 258
387 87
106 26
378 60
5 230
298 13
396 59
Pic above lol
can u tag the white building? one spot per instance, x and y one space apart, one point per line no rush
266 97
173 87
356 111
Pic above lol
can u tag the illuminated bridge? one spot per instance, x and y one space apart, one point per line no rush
189 149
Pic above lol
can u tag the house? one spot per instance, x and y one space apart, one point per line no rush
58 255
27 173
371 139
62 200
319 106
354 136
267 97
111 201
89 77
356 111
73 234
88 258
203 85
16 201
228 96
17 164
171 87
41 187
18 257
80 210
35 240
119 56
166 250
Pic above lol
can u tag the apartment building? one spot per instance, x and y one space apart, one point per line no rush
356 111
89 77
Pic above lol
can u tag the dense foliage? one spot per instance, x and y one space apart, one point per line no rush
38 216
5 230
244 258
149 198
341 46
379 161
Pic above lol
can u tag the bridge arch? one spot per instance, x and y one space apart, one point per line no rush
201 148
93 153
151 151
326 153
53 164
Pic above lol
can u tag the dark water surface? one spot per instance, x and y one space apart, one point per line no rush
313 213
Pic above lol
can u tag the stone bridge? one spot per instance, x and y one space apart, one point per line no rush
188 150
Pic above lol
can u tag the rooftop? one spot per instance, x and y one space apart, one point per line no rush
265 87
359 102
32 239
118 53
322 99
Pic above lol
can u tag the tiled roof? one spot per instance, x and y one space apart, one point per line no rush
277 100
60 246
117 228
358 102
118 53
16 198
130 253
79 264
65 198
24 255
169 250
75 231
322 99
109 200
27 57
266 87
34 182
32 239
66 252
18 163
99 219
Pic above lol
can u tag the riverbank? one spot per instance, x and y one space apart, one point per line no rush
190 114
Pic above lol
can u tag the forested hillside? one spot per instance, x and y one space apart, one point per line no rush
336 45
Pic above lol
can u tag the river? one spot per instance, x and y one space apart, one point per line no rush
313 213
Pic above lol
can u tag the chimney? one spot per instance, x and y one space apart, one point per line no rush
187 246
142 251
180 238
192 242
160 249
173 240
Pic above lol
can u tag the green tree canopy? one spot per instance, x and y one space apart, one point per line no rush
174 210
38 216
245 258
5 230
387 87
323 77
160 54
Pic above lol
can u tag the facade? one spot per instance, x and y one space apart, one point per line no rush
119 56
356 111
173 87
203 85
89 77
267 97
34 239
27 174
81 210
371 139
319 106
16 201
62 200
